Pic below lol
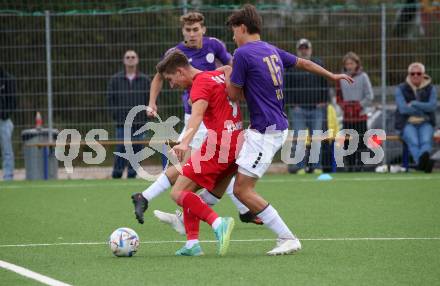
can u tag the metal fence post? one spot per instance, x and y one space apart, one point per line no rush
49 75
185 6
384 75
49 94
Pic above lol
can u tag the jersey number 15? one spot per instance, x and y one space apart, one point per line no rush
274 69
275 72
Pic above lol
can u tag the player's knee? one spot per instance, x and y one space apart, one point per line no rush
172 174
240 191
174 194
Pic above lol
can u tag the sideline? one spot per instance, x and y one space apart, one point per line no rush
31 274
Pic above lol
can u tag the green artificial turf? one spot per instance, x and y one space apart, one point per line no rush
334 220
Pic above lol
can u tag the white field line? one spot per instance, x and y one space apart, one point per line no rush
232 240
31 274
377 178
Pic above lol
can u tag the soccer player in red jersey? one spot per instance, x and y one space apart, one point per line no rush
213 165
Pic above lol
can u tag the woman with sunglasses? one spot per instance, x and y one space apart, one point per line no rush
416 100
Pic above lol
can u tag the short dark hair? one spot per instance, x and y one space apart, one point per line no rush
247 16
173 59
191 18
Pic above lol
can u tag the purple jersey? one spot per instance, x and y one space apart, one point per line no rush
258 68
204 59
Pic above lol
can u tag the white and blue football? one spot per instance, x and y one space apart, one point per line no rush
124 242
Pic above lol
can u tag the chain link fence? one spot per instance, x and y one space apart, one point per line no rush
62 62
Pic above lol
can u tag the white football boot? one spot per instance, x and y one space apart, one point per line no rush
285 246
175 220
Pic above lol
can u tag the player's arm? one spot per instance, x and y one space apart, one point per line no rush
198 110
235 93
317 69
155 88
236 76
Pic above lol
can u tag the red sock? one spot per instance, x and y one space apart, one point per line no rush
193 203
192 224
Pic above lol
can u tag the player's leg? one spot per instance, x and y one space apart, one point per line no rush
195 209
212 198
175 220
192 246
162 183
191 221
244 213
253 161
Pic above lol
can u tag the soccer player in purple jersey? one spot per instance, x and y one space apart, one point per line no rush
257 76
203 54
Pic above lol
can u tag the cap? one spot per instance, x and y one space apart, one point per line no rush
303 43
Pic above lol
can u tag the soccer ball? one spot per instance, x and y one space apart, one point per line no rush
124 242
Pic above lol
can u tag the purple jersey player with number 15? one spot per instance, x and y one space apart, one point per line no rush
257 76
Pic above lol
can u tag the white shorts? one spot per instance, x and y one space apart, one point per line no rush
199 137
258 151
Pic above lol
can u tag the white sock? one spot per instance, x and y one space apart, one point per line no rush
190 243
208 198
242 209
275 223
159 186
216 223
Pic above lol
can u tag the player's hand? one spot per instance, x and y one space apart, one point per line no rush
226 69
342 76
180 150
152 110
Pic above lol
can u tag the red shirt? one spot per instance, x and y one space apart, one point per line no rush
221 114
215 159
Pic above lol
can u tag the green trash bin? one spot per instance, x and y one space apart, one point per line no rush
40 161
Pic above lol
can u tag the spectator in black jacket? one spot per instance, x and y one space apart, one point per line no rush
8 104
126 89
306 95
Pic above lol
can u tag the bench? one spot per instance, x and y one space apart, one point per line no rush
45 148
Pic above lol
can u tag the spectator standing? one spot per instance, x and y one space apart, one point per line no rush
354 100
126 89
306 95
8 104
416 100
